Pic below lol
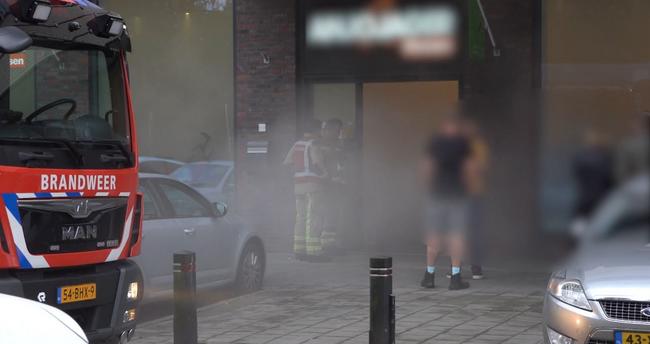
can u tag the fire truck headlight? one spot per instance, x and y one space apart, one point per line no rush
129 316
42 12
132 293
107 25
35 11
117 26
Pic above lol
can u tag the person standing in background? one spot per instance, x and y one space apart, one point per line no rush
633 153
331 147
445 167
477 168
310 176
594 177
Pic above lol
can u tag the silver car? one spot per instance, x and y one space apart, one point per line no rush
602 295
213 179
176 217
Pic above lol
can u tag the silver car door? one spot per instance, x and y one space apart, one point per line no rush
228 242
196 221
160 239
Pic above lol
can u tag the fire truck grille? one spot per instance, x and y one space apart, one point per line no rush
72 225
625 310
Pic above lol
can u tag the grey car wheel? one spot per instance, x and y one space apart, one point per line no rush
250 273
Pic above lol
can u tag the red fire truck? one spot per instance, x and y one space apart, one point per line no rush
69 208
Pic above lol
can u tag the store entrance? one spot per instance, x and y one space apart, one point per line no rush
386 126
399 118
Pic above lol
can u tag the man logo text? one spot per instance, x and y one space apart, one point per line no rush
82 232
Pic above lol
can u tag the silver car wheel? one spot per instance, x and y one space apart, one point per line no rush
250 274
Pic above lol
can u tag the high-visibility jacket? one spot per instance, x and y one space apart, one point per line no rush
306 170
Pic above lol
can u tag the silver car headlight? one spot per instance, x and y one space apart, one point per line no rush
569 291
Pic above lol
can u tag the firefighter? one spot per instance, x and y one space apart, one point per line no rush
330 144
310 176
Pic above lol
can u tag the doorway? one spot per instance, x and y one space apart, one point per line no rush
386 126
399 118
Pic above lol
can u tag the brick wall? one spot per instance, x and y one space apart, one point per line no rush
265 62
265 92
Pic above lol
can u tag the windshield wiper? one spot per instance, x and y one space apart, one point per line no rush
27 156
127 155
76 155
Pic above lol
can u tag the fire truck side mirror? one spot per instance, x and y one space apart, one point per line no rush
13 40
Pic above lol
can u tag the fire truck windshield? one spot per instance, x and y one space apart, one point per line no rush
72 98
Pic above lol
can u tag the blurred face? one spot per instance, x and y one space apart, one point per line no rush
331 132
450 128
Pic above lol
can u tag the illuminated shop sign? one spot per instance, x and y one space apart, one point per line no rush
211 5
382 39
415 31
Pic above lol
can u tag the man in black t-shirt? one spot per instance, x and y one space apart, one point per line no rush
445 165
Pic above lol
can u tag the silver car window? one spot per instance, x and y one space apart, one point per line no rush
626 208
184 204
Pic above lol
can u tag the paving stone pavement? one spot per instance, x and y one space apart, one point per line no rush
328 304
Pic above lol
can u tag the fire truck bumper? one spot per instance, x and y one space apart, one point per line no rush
102 298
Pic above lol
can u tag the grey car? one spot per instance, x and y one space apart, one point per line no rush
176 217
602 295
213 179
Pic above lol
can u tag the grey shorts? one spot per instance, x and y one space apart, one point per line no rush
447 215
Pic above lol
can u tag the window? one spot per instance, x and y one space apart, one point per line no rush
183 201
624 211
150 208
193 80
201 175
229 185
74 95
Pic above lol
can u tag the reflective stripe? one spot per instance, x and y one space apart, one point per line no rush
308 218
26 260
305 174
302 162
307 231
313 242
328 238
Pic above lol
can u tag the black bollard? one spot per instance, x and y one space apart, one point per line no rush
185 322
382 301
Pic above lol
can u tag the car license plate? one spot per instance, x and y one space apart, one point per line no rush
623 337
77 293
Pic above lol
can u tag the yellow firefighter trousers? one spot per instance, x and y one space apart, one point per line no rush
309 224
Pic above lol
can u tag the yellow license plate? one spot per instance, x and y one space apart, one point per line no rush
77 293
632 338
